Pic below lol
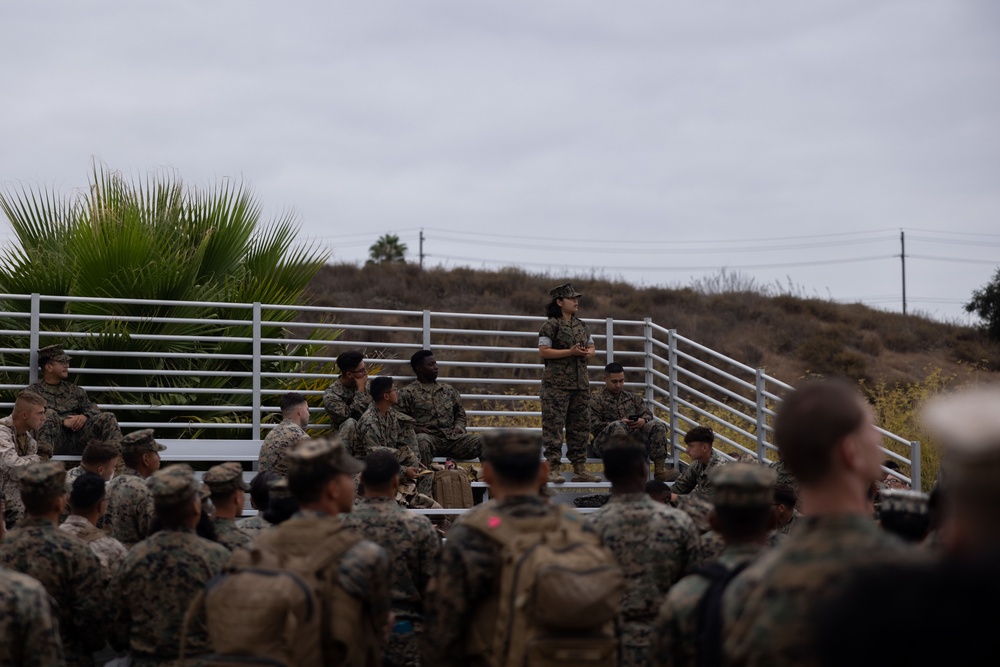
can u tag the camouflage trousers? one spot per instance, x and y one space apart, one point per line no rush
465 447
652 434
636 642
569 409
102 426
403 647
348 433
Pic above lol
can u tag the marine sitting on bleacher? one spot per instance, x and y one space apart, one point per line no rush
284 436
347 399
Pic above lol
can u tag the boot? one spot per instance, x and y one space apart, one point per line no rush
555 477
663 473
580 474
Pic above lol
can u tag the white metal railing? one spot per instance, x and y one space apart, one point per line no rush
224 370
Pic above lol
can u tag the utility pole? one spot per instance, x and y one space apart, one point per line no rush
902 261
422 253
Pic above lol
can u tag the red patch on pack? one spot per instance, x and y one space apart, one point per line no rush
494 522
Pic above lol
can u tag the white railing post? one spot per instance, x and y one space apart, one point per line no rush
36 312
761 416
256 371
609 340
672 374
915 465
647 333
427 330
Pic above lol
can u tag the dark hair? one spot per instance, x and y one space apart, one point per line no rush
380 467
172 515
911 526
260 491
379 387
291 401
553 309
743 523
349 360
306 480
784 494
655 486
811 422
418 358
100 451
133 458
281 509
516 469
699 434
223 497
614 367
624 460
88 491
38 503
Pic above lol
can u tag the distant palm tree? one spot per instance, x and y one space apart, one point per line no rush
387 250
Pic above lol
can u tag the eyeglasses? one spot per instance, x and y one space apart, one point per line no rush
359 372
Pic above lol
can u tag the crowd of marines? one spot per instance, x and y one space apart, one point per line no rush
729 563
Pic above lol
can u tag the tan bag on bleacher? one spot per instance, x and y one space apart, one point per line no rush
453 488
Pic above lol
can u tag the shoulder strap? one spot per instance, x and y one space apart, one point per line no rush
708 639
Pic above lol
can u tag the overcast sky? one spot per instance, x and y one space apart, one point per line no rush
656 139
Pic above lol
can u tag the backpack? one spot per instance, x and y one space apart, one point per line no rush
271 608
708 639
453 488
559 594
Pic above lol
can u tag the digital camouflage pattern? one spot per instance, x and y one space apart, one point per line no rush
712 545
345 405
71 574
438 407
152 591
569 372
695 480
606 413
412 545
29 635
65 399
17 451
786 528
675 630
655 546
229 534
279 440
784 475
766 619
569 410
130 507
394 431
695 507
466 576
109 551
253 525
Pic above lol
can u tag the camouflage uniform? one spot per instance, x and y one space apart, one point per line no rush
713 546
394 431
253 525
412 546
655 545
606 414
71 574
160 577
786 528
695 507
677 623
17 451
229 534
29 635
226 479
766 608
281 438
565 393
64 400
108 550
438 407
784 476
130 503
345 405
695 479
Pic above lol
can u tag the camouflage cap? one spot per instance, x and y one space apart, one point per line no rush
174 485
52 353
899 500
743 485
225 478
46 478
510 443
564 291
325 451
967 423
278 489
141 441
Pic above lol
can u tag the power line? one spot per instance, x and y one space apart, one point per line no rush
700 267
961 260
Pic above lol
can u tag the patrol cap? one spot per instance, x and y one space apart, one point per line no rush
46 478
564 291
52 353
967 424
743 485
325 451
174 485
141 441
225 478
499 444
900 500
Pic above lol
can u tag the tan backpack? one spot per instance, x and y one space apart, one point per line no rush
559 596
453 488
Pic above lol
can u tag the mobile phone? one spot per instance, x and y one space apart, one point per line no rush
634 418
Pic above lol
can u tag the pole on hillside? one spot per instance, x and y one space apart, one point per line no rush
902 261
421 248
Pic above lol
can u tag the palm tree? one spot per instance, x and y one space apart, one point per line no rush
387 249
